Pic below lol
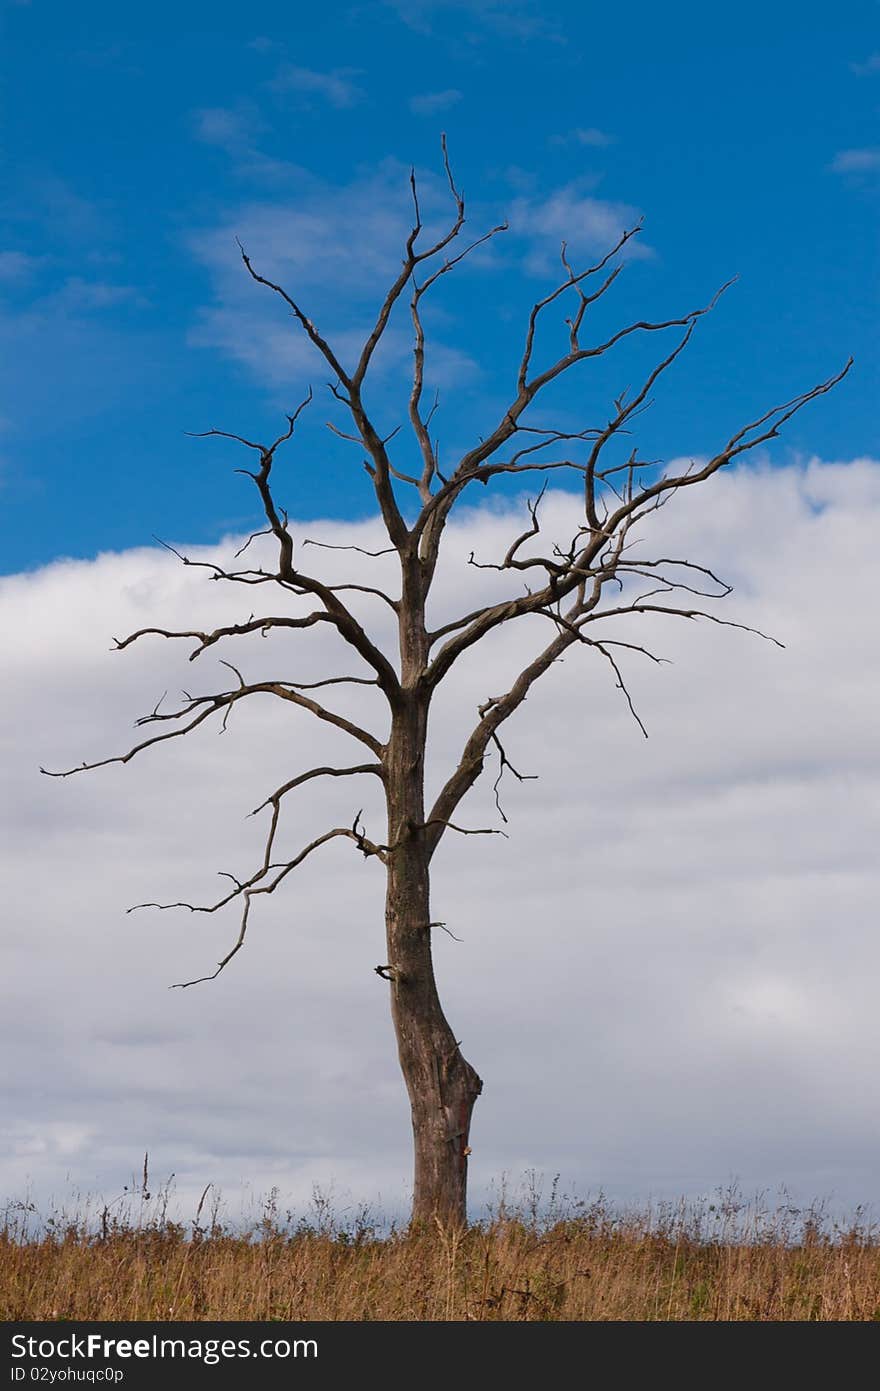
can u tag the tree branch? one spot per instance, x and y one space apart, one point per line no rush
492 716
337 612
612 530
253 625
276 796
248 890
223 701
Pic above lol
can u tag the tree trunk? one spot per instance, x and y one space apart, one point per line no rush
442 1086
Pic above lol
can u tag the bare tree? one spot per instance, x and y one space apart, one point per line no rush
574 586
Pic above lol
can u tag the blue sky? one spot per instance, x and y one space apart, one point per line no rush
139 142
714 996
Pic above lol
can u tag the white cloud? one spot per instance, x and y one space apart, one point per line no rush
667 974
869 66
78 294
514 19
334 87
431 103
309 239
862 161
232 128
306 245
337 249
75 334
65 214
72 296
278 355
584 135
589 225
235 130
18 265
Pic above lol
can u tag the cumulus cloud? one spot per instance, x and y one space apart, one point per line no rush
514 19
277 356
568 213
232 128
431 103
308 244
667 973
336 87
584 135
74 331
868 67
18 265
235 130
340 276
310 238
80 295
70 218
863 161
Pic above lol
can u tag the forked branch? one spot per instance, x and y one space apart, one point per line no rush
564 581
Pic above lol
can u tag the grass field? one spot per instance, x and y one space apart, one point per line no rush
721 1260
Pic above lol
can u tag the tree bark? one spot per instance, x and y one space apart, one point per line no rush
442 1086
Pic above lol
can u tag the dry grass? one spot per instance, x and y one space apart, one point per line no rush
724 1260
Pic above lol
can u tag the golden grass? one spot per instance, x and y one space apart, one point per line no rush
710 1261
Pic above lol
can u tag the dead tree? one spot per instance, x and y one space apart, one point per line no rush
573 586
